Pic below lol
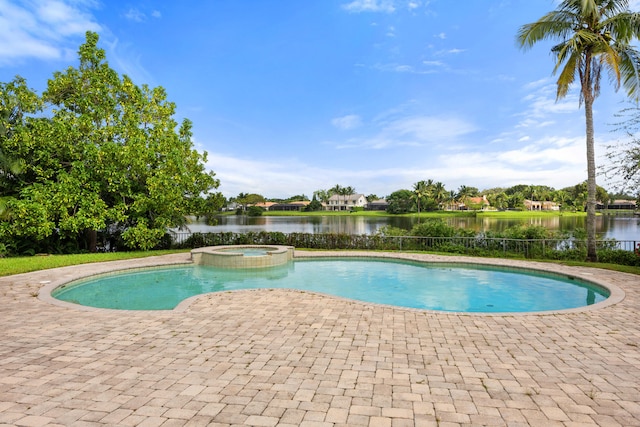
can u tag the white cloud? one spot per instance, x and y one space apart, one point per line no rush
281 178
134 14
542 109
357 6
385 6
411 131
430 129
128 62
548 151
403 68
44 30
391 31
542 163
347 122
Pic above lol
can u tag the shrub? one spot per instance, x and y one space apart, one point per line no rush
255 211
433 228
618 256
388 230
525 232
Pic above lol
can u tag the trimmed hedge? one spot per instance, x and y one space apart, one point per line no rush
556 249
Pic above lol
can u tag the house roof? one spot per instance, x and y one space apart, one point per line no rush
478 200
346 198
623 202
265 204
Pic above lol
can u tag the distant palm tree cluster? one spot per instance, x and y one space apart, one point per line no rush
429 195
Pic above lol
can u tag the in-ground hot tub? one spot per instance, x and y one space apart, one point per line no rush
242 256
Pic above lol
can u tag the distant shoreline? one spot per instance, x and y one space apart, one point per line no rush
436 214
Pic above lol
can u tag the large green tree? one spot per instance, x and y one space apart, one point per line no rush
17 103
400 202
108 155
594 36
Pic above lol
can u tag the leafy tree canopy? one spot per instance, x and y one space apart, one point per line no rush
400 202
99 152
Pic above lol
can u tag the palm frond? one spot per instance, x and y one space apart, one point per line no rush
610 59
630 72
554 25
613 7
568 74
624 27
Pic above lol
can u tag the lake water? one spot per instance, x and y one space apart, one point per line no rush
608 226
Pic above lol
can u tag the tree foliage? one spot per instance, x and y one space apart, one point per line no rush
400 202
105 154
249 199
594 37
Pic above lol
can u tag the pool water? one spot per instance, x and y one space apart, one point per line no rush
247 251
445 287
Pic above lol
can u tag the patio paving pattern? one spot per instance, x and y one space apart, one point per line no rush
293 358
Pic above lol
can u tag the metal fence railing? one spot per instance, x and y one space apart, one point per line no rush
467 245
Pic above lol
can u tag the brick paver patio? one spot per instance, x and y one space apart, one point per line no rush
291 358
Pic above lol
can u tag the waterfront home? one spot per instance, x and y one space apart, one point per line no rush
347 202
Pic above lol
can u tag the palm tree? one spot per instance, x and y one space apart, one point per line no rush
561 197
451 198
439 194
594 36
501 201
465 192
342 191
347 191
420 190
337 190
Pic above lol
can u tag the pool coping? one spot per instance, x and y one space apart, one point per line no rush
616 296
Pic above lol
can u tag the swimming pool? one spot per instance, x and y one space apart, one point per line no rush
433 286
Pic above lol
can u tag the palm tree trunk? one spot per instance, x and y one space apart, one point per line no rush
592 255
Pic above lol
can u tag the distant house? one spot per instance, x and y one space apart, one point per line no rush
265 205
480 202
539 205
377 205
345 203
232 206
291 206
618 204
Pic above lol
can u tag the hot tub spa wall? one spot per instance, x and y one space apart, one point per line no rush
213 256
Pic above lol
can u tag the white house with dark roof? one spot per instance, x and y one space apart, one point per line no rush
338 202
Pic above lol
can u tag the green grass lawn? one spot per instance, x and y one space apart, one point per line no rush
527 214
17 265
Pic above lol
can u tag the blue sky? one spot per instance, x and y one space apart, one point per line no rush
289 96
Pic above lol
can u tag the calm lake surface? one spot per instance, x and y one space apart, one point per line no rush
608 226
